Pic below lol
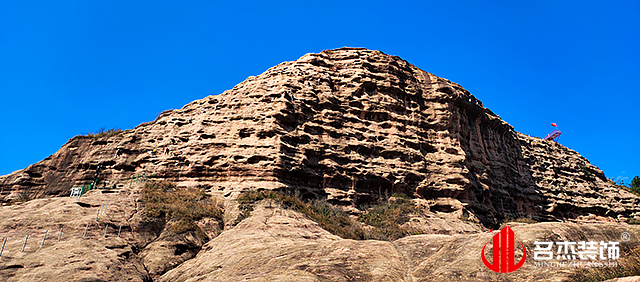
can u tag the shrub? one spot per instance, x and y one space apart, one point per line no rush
586 172
527 220
105 133
182 206
620 184
380 221
388 216
635 185
25 195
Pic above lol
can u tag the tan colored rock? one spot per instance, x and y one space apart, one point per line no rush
170 250
282 245
275 244
625 279
350 125
92 257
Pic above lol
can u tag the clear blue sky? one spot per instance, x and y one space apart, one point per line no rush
72 67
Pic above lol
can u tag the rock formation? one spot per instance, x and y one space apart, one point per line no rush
349 125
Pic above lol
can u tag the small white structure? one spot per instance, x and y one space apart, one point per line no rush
76 191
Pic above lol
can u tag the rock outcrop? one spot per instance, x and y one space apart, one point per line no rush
273 244
282 245
349 125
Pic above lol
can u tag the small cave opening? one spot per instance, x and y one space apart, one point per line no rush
85 205
181 249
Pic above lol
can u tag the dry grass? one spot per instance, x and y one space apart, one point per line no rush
182 206
380 221
388 216
526 220
23 196
105 132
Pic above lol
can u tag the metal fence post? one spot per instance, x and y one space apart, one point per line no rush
105 207
105 230
60 235
44 238
3 242
119 229
85 230
25 242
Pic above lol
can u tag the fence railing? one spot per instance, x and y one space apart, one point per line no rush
117 232
78 191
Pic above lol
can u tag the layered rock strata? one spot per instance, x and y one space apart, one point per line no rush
348 125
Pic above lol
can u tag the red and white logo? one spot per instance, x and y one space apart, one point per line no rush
504 252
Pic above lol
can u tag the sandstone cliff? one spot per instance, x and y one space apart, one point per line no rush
273 244
348 125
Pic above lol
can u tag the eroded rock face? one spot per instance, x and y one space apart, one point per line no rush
82 252
120 244
349 125
276 244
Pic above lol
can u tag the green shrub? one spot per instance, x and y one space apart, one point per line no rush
586 172
182 206
635 182
635 185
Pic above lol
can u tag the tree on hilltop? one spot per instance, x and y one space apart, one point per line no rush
635 183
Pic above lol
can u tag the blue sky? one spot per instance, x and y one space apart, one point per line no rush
72 67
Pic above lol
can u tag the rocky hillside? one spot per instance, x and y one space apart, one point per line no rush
272 244
349 125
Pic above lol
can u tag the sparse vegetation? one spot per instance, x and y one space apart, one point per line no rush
388 216
105 132
526 220
380 221
182 206
635 185
24 196
586 172
629 265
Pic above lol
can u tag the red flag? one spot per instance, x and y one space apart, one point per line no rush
554 124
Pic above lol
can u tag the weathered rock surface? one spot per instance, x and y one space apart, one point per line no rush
170 250
273 244
349 125
144 250
79 256
282 245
